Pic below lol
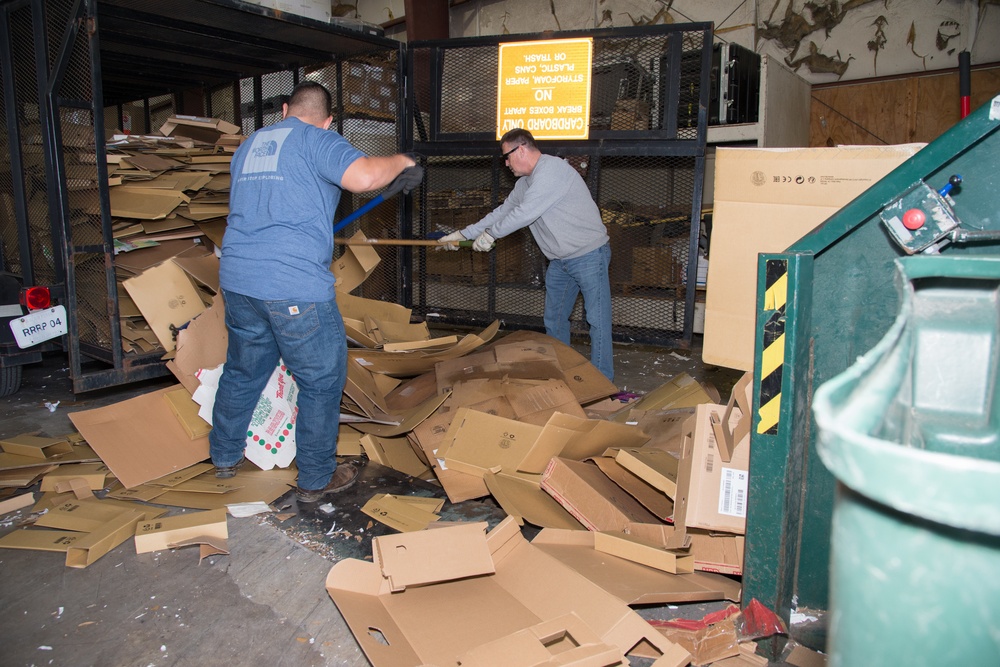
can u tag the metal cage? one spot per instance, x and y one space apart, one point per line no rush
644 162
72 71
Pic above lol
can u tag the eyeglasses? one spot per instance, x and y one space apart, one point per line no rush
506 156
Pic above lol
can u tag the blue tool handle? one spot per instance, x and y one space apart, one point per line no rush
953 182
358 213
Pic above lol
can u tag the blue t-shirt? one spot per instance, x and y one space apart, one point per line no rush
284 193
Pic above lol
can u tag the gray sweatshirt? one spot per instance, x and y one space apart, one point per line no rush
555 204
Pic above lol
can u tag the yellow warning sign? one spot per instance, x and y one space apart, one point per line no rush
544 87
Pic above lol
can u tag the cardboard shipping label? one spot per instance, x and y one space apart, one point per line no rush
733 494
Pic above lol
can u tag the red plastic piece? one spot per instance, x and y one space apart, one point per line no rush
914 219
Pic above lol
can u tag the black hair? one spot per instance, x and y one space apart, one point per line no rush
311 98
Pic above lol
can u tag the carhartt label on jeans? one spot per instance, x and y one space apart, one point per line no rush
293 310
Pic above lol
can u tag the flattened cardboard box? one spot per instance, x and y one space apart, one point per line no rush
649 497
436 623
562 642
765 201
139 439
524 500
478 442
164 533
632 583
588 494
36 447
578 438
458 485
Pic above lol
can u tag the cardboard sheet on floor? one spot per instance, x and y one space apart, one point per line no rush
410 364
36 539
93 474
713 552
186 411
653 466
197 527
436 623
80 454
459 486
22 477
15 503
630 582
399 513
394 453
586 382
95 544
478 442
644 553
432 557
407 420
588 494
665 427
578 438
257 485
89 514
139 439
562 642
35 446
524 500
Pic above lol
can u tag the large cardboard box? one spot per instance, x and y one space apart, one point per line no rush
766 200
712 493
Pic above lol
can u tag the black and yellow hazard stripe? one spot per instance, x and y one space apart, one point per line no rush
772 357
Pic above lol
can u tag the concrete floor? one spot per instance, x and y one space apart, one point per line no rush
263 604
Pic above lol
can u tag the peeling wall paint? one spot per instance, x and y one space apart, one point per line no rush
822 40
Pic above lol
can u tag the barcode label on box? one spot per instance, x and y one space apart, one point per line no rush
733 492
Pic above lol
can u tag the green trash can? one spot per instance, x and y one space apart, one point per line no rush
911 432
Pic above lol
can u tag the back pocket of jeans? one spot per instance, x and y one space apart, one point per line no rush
299 325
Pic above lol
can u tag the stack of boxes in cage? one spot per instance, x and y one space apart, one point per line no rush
654 262
370 88
452 210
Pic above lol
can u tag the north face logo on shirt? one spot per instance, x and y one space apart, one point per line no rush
269 148
265 150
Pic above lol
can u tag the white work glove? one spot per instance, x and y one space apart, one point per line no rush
484 242
451 241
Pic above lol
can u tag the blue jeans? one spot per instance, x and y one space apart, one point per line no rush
565 279
309 338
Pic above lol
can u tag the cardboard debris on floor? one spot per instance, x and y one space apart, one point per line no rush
437 616
640 501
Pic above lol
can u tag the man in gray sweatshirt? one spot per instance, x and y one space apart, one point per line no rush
553 202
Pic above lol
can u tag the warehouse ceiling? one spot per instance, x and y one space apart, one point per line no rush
152 47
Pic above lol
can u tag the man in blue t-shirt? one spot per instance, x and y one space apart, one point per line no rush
277 285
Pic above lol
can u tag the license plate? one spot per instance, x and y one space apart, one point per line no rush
39 326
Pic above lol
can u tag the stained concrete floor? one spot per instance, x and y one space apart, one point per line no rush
264 604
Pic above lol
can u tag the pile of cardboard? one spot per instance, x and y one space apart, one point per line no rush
69 518
169 191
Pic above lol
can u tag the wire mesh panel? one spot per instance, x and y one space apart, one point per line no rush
643 162
32 192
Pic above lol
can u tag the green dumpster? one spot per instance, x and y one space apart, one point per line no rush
911 432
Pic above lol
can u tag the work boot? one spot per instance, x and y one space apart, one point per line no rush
225 472
343 477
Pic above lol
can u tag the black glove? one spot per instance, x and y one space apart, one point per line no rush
408 179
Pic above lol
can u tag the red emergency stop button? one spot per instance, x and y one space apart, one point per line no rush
914 219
